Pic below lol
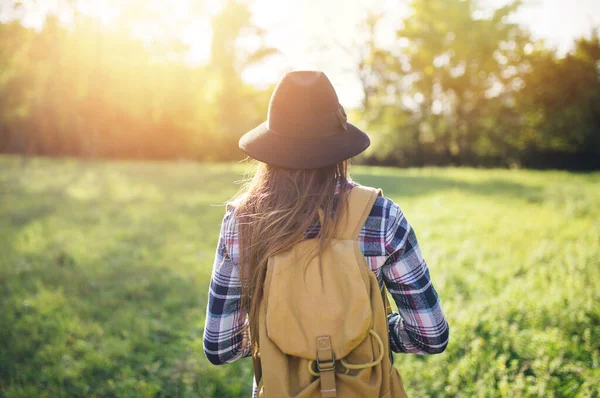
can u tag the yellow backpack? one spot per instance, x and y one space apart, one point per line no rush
323 330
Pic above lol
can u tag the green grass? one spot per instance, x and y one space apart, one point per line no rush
104 268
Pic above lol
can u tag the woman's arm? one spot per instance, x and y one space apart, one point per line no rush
225 328
420 326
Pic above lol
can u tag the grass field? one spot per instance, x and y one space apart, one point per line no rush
104 268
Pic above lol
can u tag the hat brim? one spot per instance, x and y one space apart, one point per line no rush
280 150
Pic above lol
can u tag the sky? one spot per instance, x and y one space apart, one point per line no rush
320 34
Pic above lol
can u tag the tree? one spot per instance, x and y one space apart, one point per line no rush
15 84
451 61
459 58
561 99
235 102
93 90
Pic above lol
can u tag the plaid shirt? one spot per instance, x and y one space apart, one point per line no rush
390 246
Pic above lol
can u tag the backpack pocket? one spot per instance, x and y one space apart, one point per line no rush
307 299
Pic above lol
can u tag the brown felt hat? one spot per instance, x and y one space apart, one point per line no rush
306 127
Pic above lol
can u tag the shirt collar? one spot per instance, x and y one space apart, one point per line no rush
344 186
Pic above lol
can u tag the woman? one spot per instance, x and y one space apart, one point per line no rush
303 150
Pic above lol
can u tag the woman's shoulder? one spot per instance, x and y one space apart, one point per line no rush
230 205
230 209
384 215
381 227
383 207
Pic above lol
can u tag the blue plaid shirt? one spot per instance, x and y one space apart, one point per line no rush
390 246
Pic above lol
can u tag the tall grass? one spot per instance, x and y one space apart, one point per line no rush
104 269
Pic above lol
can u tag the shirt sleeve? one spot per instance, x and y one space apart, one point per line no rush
226 332
420 326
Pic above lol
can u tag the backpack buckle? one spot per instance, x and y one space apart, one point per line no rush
326 366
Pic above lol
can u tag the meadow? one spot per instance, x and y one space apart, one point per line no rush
104 270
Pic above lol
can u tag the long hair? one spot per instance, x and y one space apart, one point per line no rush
273 211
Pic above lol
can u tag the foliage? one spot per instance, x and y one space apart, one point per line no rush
104 271
464 85
96 91
566 90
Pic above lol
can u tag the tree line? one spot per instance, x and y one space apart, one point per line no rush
460 85
464 86
95 91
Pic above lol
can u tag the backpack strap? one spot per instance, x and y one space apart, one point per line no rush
352 219
326 367
360 202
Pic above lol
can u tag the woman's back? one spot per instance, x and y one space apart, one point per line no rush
390 247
